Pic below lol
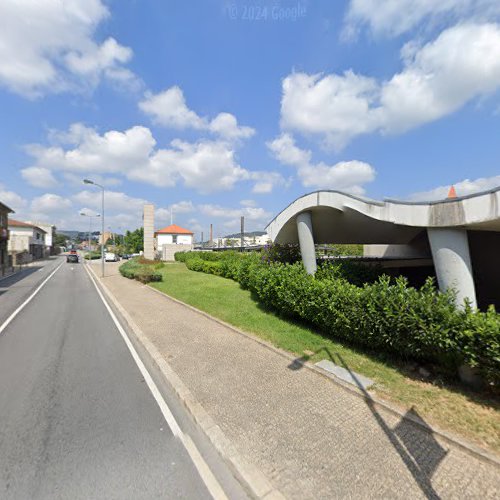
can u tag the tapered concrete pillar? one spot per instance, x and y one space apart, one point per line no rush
306 241
450 252
149 230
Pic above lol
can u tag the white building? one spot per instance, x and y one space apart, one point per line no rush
26 237
173 235
50 235
172 239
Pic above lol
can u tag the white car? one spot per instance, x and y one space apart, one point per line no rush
111 257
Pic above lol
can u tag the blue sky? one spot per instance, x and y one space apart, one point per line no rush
217 109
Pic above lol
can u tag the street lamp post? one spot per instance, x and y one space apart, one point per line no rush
88 181
90 230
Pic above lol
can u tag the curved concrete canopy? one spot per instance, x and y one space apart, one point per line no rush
343 218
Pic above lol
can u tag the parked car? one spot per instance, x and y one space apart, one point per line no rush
125 256
72 258
111 257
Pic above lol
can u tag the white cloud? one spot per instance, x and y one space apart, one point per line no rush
206 166
394 17
39 177
181 207
114 201
251 214
225 125
265 181
334 106
46 47
439 78
169 108
344 176
463 188
12 199
248 203
50 203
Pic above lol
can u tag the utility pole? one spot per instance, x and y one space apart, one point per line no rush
202 242
242 232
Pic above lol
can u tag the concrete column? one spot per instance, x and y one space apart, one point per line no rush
306 241
450 252
149 230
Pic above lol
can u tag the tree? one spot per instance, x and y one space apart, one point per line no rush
134 240
60 240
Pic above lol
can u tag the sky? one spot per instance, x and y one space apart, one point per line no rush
214 109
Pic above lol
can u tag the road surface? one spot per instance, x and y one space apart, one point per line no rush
77 419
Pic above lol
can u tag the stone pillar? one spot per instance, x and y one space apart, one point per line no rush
306 241
450 252
149 230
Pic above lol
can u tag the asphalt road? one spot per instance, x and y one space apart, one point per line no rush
77 419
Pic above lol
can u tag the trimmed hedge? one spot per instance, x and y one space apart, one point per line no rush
385 315
139 270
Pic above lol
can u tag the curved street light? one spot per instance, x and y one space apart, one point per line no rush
88 181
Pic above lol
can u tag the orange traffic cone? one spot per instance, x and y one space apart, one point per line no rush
452 193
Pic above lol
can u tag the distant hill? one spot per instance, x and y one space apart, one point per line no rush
69 234
83 235
247 235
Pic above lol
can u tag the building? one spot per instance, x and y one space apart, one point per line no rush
459 238
4 236
173 235
172 239
26 238
108 235
50 236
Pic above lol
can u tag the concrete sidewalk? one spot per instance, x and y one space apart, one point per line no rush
310 437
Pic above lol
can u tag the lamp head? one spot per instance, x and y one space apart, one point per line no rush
88 181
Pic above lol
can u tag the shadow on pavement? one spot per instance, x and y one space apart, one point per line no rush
419 450
20 275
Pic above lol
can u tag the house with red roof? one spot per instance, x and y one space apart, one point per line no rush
172 239
173 235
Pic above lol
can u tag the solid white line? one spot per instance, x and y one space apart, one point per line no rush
26 302
206 474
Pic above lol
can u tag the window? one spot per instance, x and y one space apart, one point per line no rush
174 238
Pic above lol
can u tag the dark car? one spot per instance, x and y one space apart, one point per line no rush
72 257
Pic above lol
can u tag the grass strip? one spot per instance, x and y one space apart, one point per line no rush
475 416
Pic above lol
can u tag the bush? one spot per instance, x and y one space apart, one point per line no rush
356 273
358 305
286 254
146 275
137 269
93 256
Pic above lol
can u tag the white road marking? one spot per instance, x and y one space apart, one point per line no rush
203 469
27 301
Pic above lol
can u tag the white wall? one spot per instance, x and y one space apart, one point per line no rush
22 237
167 239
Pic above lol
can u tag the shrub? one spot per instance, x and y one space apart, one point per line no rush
275 252
383 314
356 273
145 273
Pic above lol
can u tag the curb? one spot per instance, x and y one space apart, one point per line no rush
464 445
251 478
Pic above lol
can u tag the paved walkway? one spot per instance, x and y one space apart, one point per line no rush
311 437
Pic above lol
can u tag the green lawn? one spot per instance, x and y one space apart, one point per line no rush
474 416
